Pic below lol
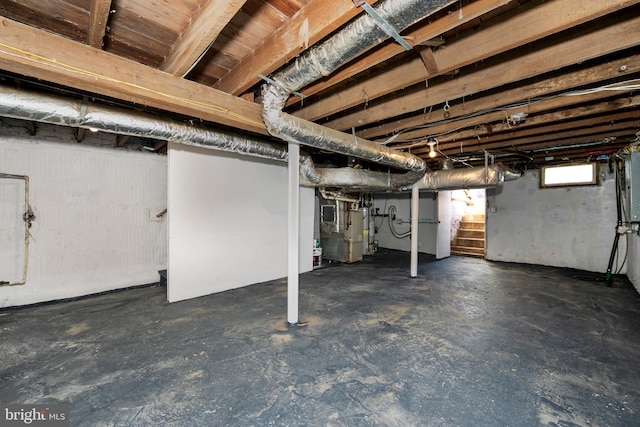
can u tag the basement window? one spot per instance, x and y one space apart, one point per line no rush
569 175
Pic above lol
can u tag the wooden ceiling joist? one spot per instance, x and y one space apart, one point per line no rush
313 22
525 27
98 17
31 127
541 88
563 53
601 133
429 31
475 63
39 54
540 132
544 122
572 136
203 30
121 140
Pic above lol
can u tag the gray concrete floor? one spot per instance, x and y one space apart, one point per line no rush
468 343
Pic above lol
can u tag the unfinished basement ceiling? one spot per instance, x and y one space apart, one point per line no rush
531 82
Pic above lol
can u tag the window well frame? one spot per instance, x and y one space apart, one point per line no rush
594 180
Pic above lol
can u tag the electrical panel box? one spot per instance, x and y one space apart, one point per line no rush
632 174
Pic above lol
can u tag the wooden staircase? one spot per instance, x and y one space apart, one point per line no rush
469 240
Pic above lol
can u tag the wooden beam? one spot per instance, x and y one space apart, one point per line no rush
539 124
194 42
80 134
564 82
429 61
31 127
542 123
539 132
540 154
553 56
160 145
35 53
418 36
569 138
552 146
313 22
98 17
121 140
563 107
525 27
557 139
534 123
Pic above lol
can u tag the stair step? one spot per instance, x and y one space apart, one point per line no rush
468 254
469 239
475 225
470 232
465 250
471 242
473 218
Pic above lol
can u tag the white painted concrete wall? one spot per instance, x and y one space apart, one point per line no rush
228 222
565 227
427 235
92 231
633 263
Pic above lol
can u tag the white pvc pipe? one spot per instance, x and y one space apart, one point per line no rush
293 233
415 210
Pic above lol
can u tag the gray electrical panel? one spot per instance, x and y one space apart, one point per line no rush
632 173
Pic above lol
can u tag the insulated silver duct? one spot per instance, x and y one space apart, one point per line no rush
56 110
23 105
347 178
467 178
363 180
360 35
294 129
511 175
357 37
20 104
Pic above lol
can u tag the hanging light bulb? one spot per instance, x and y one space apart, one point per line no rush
431 143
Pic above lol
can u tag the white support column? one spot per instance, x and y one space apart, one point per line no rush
415 212
293 233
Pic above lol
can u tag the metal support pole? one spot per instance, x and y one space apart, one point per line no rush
415 211
293 233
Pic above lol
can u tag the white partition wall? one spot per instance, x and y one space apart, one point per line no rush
228 222
443 245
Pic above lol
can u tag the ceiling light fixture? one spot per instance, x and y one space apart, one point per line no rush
431 142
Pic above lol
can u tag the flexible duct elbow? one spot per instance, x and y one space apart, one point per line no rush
362 34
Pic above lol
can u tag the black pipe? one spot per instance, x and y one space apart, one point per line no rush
614 249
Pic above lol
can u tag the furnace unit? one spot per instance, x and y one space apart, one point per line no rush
340 231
